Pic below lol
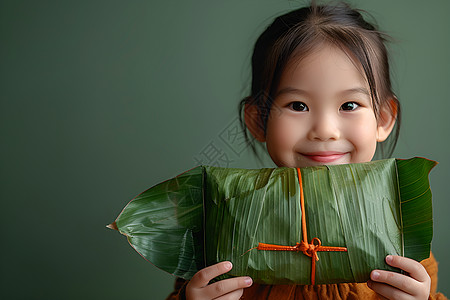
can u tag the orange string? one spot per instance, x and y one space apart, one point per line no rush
302 207
309 249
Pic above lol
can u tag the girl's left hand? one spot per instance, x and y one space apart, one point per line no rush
393 285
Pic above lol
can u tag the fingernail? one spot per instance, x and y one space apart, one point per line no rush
389 258
375 275
228 265
248 281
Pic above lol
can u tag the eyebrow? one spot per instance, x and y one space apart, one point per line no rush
356 90
291 90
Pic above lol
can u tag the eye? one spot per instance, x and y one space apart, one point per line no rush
298 106
349 106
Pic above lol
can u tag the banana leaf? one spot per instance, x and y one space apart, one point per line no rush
210 214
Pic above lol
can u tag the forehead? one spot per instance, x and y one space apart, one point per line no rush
324 67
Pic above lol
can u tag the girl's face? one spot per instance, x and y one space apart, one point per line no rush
322 113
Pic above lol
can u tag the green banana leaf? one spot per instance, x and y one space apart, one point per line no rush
210 214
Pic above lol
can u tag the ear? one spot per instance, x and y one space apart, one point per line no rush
253 122
387 118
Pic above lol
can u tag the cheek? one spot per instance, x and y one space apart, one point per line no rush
281 133
363 136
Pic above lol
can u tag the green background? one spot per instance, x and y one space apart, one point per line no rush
102 99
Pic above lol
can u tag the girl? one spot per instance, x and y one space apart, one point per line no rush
321 94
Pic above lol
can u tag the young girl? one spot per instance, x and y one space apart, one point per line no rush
321 94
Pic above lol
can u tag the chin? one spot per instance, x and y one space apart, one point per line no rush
337 163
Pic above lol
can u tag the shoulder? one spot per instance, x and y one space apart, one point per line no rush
430 265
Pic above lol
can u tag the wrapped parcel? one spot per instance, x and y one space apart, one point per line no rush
211 214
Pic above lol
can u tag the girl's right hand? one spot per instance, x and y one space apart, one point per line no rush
198 288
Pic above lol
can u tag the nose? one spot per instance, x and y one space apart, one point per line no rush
324 127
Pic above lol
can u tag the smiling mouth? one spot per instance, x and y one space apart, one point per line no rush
324 157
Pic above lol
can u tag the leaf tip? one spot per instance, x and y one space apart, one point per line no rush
113 226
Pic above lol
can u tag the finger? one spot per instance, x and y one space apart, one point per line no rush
414 268
226 286
234 295
397 280
202 277
388 291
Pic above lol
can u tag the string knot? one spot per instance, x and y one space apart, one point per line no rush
310 249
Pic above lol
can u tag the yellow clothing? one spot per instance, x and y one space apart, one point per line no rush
312 292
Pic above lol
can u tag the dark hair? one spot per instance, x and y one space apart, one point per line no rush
297 33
